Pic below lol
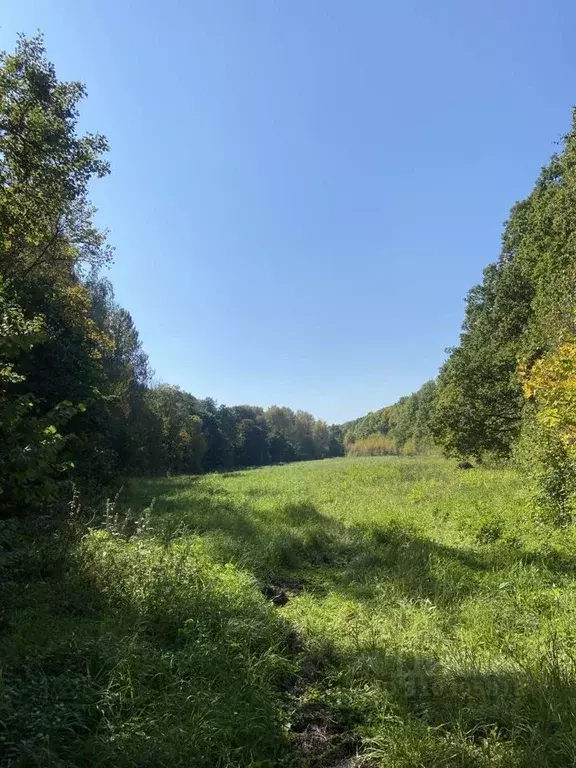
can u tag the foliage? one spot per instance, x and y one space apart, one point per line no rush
373 445
45 170
30 443
47 238
478 402
182 443
550 434
251 444
551 381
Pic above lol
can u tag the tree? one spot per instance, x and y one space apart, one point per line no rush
336 440
45 170
182 442
304 435
279 448
130 427
47 238
219 432
31 447
478 402
252 444
478 406
321 439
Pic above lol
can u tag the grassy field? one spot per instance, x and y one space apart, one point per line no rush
370 612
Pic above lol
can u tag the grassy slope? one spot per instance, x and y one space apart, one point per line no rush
430 623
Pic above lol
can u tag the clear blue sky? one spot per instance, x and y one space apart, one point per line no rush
303 191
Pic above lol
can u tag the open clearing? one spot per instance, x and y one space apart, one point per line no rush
378 612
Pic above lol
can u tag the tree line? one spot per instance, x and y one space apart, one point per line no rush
76 393
402 428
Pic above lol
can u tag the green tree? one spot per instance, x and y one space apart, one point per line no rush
47 239
321 439
279 448
182 442
130 427
31 446
219 433
304 436
336 440
45 170
252 444
478 406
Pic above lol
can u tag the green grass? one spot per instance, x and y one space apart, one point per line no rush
430 621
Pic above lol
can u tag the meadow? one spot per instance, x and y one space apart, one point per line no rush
385 611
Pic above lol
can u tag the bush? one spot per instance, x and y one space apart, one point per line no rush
374 445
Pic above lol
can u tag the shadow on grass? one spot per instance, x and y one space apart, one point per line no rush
298 539
125 654
438 716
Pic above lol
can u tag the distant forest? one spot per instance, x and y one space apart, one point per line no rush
77 402
402 428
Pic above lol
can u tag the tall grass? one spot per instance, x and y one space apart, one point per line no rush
426 619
